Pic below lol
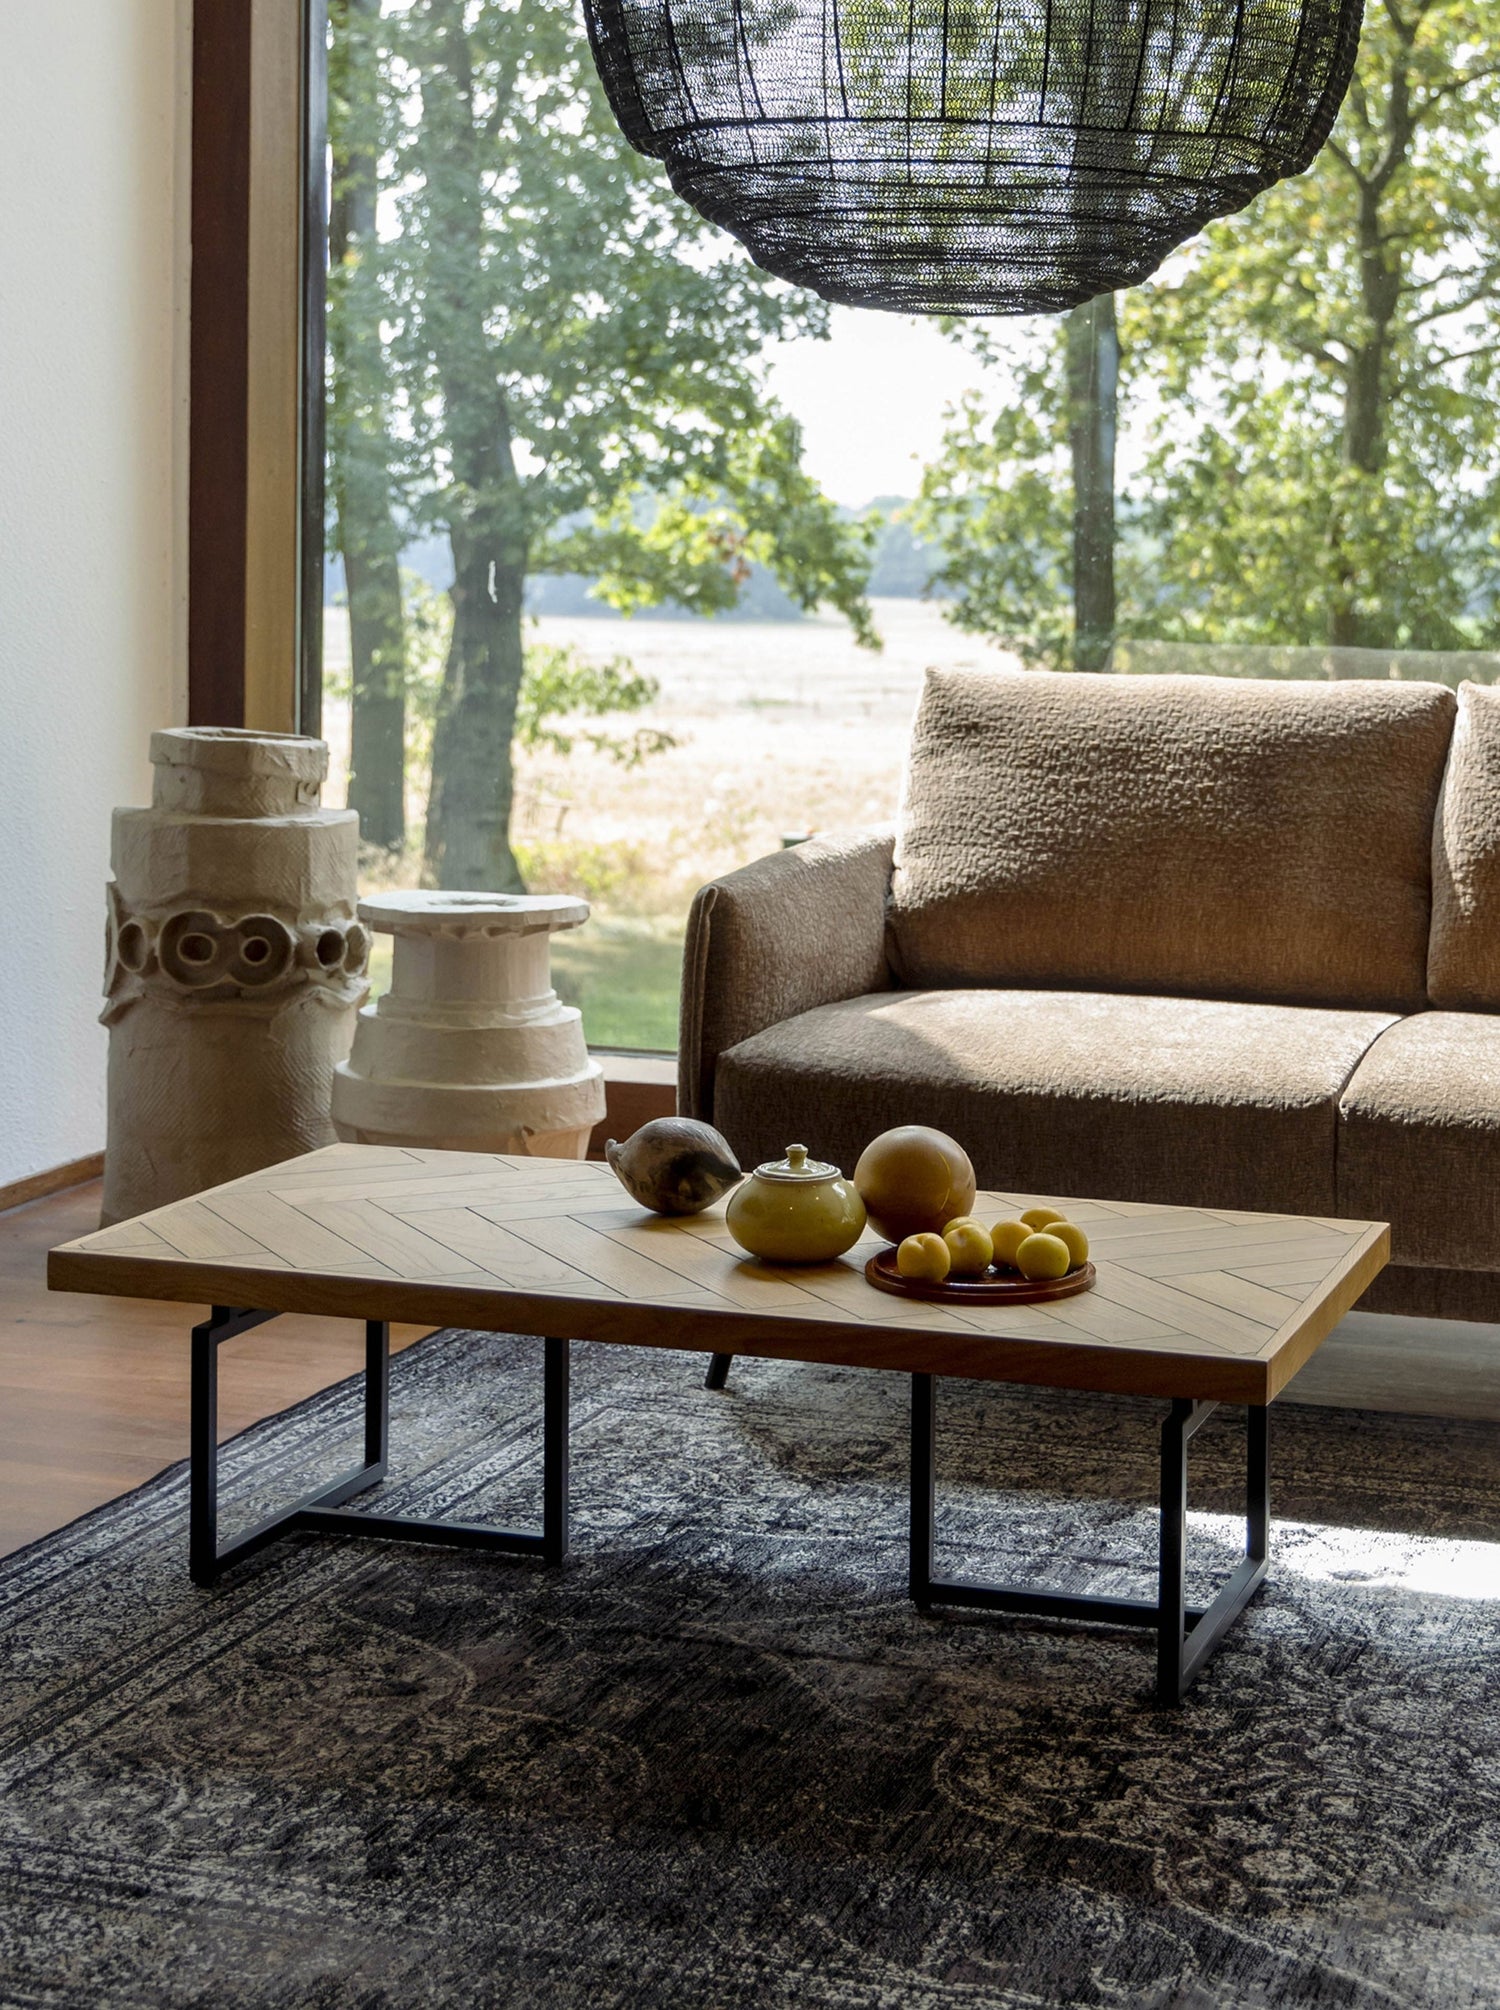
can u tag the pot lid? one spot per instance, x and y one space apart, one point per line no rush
797 1166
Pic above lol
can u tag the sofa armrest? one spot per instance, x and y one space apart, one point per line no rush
804 927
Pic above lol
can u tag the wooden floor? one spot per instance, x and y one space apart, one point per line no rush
94 1391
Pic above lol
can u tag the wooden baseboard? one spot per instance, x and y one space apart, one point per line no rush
74 1173
637 1087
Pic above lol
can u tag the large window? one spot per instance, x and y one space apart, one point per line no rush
549 408
615 522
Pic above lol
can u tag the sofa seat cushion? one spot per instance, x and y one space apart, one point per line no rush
1182 1100
1419 1140
1214 836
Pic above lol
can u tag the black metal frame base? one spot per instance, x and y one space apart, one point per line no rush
1185 1635
321 1513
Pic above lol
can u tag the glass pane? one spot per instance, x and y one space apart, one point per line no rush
1278 457
594 621
558 400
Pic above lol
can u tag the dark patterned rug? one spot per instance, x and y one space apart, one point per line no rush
717 1760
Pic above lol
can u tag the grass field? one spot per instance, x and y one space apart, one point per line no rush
782 728
625 977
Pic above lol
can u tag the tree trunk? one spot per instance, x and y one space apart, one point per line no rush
468 819
1363 447
473 773
1093 364
367 531
377 631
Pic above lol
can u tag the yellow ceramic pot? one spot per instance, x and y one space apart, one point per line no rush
796 1210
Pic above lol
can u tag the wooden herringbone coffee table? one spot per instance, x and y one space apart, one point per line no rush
1200 1306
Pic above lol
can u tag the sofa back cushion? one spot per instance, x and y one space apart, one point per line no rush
1463 964
1226 837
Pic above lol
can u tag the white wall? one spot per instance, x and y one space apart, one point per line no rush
93 370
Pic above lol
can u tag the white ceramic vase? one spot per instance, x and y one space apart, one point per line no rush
235 964
470 1049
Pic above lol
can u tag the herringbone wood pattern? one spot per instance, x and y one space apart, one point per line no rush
1188 1301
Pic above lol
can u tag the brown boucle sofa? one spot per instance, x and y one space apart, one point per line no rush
1220 942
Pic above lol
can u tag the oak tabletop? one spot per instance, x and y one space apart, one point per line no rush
1201 1302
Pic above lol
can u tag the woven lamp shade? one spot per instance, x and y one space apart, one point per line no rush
947 156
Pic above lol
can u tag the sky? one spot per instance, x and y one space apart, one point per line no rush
871 399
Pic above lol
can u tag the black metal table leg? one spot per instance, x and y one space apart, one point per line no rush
1186 1635
923 1491
377 1394
718 1371
1182 1648
203 1436
554 1450
1171 1620
322 1513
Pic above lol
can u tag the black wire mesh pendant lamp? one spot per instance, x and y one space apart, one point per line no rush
972 156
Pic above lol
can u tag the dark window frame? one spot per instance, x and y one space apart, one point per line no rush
312 402
232 338
218 369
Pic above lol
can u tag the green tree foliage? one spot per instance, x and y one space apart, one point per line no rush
903 563
1311 389
364 521
1021 500
1327 462
572 357
560 687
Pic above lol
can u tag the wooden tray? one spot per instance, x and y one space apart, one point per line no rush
995 1287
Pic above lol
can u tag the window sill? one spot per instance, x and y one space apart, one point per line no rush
637 1088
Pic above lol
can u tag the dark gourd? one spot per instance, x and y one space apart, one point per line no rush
675 1165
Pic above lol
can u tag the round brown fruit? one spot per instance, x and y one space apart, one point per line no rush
913 1181
1043 1256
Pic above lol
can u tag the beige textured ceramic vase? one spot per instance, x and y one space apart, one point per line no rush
470 1049
235 964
